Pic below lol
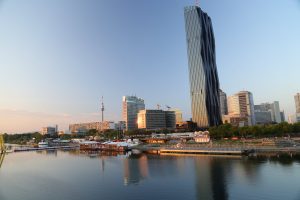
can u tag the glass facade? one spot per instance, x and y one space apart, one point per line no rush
131 106
203 75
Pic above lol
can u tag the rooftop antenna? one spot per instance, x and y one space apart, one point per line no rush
197 2
102 109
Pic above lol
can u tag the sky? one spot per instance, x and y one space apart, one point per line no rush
58 57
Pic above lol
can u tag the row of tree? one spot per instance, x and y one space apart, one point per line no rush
259 131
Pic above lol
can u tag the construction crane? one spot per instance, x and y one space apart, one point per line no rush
158 107
168 107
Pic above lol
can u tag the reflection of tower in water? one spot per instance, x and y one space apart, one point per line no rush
135 169
210 178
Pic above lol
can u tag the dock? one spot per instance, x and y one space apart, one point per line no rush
43 148
213 151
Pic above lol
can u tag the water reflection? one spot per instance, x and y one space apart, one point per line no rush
211 178
135 169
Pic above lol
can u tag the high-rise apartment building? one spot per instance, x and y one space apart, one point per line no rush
131 106
297 103
241 104
203 75
223 103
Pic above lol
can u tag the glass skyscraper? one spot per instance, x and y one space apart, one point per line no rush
131 106
203 75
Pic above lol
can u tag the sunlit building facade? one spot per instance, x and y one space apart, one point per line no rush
203 75
156 119
131 105
241 105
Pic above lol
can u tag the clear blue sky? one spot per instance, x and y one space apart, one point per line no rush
58 57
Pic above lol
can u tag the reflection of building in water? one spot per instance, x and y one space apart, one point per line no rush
48 152
210 178
135 169
203 178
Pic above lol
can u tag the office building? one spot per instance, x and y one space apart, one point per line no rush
297 102
223 103
264 111
263 117
131 106
203 75
156 119
121 125
82 128
282 116
170 119
241 105
178 116
49 130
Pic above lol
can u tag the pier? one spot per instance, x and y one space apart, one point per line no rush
213 151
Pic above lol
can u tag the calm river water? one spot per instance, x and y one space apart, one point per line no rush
70 175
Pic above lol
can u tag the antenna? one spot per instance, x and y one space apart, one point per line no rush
102 109
197 2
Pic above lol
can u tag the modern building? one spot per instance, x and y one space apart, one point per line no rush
131 106
203 75
241 105
186 126
178 115
170 119
282 116
294 118
107 125
156 119
82 128
236 120
121 125
49 130
264 111
263 117
297 102
223 103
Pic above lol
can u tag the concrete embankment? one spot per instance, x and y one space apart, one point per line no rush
218 150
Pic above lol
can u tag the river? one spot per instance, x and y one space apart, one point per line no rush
71 175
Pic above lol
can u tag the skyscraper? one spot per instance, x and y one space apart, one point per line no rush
203 75
297 102
241 105
131 106
223 103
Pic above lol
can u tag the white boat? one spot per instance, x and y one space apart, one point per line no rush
43 144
